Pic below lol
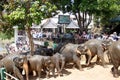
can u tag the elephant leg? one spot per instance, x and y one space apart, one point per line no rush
17 73
77 61
47 73
57 64
90 65
26 69
34 73
88 57
101 56
53 72
62 66
108 55
98 60
39 73
115 71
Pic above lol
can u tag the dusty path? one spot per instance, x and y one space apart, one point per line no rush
96 73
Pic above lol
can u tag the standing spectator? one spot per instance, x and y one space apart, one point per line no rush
84 35
113 36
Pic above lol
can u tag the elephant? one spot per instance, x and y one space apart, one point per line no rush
2 55
35 63
59 46
95 47
58 60
10 66
70 52
114 53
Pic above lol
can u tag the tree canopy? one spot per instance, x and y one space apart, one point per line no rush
86 10
22 12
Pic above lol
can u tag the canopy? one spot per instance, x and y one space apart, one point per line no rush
49 24
73 25
36 26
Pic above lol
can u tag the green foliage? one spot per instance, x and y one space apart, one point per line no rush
88 6
6 34
16 16
48 9
103 9
107 9
22 12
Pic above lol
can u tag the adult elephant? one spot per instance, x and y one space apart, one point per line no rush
71 54
10 66
114 53
95 47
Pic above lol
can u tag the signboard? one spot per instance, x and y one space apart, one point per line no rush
64 19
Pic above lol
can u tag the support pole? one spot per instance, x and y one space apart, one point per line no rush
2 73
15 33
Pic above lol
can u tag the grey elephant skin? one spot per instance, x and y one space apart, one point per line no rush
95 47
58 60
10 66
35 63
69 52
114 53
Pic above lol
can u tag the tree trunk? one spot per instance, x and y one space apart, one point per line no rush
83 20
28 30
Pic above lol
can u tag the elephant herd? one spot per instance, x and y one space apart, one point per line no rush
48 60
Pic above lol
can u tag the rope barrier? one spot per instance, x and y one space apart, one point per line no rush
3 74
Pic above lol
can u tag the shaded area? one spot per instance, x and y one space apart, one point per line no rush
116 29
116 19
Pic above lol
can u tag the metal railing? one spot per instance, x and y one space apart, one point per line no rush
3 75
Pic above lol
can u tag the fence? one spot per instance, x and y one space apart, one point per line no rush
3 75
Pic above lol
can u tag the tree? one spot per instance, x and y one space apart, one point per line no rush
82 9
25 12
6 31
86 10
107 9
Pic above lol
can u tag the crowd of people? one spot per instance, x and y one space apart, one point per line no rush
101 36
90 35
23 45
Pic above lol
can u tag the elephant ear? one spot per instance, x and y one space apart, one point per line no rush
17 62
104 46
81 49
106 43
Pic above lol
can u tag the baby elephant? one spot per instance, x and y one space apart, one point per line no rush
57 62
34 63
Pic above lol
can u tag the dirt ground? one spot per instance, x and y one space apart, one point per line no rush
95 73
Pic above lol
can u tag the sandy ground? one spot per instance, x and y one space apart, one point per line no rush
96 73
